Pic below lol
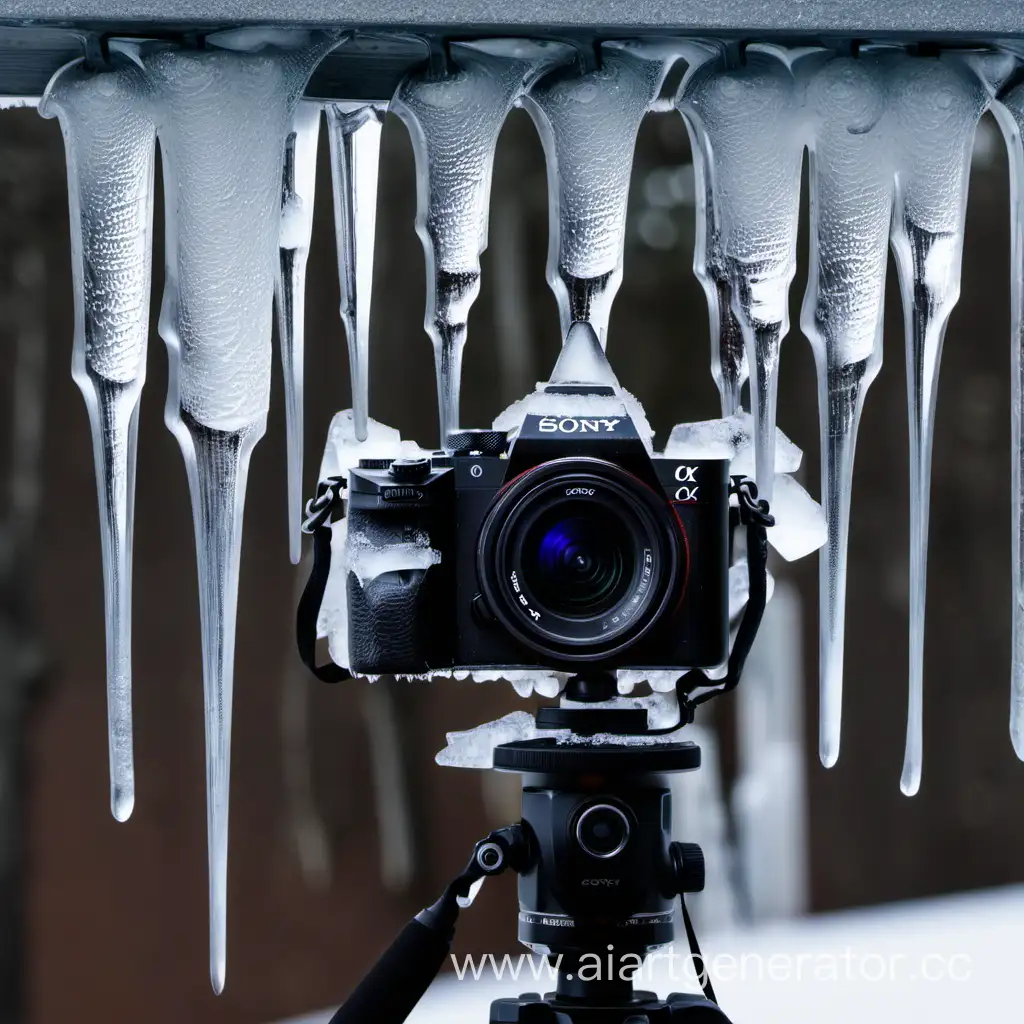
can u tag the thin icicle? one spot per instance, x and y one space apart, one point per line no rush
588 124
454 121
298 190
748 123
851 192
223 116
936 104
354 132
109 140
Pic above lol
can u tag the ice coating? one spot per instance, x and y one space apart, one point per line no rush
936 104
588 124
109 141
582 360
454 120
332 619
298 190
525 681
343 449
222 117
729 438
851 191
1009 112
474 748
799 520
368 562
748 125
354 132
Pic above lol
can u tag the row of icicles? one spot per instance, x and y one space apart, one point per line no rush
890 138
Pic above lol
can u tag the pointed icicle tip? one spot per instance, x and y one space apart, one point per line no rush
122 802
583 360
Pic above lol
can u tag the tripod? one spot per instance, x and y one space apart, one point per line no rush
574 812
598 873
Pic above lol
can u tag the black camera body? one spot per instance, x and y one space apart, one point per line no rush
571 546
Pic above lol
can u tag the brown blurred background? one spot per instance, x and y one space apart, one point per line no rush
107 922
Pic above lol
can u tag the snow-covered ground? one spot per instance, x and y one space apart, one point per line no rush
942 960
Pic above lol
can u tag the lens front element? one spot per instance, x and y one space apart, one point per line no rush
578 559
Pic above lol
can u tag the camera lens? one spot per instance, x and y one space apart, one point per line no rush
602 831
578 558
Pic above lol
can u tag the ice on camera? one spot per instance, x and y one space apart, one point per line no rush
474 748
731 437
581 361
343 449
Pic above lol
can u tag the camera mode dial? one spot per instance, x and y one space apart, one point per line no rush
484 442
409 471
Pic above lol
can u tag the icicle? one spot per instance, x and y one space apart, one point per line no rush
588 124
454 121
1009 112
748 125
109 139
222 118
851 189
728 352
355 153
298 190
936 104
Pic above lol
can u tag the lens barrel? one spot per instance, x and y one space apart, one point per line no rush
578 558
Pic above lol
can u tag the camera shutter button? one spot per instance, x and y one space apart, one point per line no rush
410 471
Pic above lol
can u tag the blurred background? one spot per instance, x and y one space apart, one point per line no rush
342 826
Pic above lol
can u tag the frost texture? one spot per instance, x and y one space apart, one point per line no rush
454 120
355 155
588 124
747 126
298 190
109 140
222 116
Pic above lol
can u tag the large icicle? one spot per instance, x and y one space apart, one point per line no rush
851 192
749 125
936 104
588 124
355 154
222 118
1009 112
454 120
729 366
298 189
109 139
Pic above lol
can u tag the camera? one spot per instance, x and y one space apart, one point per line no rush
569 544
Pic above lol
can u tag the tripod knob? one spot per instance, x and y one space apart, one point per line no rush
687 867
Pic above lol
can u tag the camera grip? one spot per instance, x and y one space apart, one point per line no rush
386 623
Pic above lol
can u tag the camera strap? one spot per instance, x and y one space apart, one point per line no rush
318 524
703 975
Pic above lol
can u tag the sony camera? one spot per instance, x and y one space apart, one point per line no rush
570 545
